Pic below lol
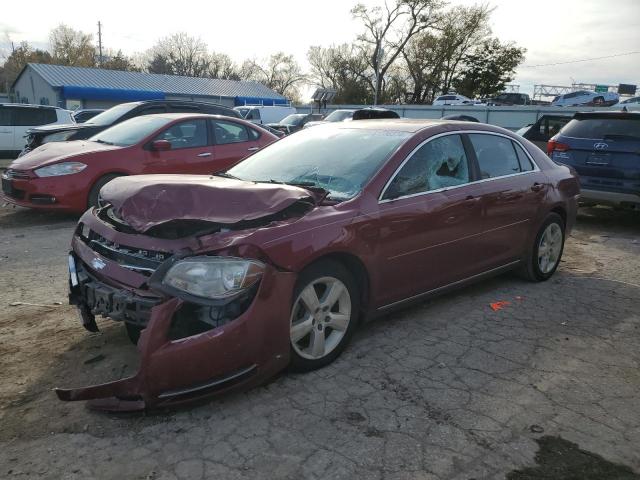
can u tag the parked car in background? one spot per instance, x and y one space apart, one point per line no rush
115 115
274 262
374 113
508 99
628 102
16 119
585 97
341 115
68 175
460 118
453 99
264 115
604 148
81 116
295 122
543 129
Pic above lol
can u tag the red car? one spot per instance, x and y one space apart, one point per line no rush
68 175
229 279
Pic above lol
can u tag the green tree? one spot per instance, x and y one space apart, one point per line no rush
488 68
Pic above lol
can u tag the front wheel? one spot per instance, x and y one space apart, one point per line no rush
94 193
547 250
323 316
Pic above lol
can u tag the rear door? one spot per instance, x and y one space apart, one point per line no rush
604 150
232 142
191 150
7 128
513 190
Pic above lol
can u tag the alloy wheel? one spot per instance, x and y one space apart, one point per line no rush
549 248
320 318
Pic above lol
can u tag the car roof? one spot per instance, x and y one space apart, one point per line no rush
179 115
29 105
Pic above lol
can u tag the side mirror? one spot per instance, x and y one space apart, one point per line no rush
160 145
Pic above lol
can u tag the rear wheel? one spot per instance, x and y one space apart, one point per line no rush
94 193
547 250
323 316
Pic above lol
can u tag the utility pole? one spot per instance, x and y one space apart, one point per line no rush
99 43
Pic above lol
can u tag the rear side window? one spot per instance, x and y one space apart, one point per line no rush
437 164
253 135
33 116
228 132
599 128
5 117
496 155
523 159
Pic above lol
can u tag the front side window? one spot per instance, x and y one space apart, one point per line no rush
229 132
440 163
496 155
189 134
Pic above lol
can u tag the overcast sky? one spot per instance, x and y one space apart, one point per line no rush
551 30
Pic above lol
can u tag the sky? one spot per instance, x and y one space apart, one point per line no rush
552 31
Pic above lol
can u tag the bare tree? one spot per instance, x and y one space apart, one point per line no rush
279 72
72 47
180 54
389 29
221 66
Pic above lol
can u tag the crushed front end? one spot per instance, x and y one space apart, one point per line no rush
190 346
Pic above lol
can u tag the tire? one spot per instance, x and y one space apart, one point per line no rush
324 315
92 200
550 238
133 332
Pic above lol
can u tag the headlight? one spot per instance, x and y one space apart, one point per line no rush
65 168
58 137
213 277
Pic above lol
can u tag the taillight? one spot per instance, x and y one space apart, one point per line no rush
554 146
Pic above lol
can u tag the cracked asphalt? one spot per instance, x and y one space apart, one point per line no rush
449 389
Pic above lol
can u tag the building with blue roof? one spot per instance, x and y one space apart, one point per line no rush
79 87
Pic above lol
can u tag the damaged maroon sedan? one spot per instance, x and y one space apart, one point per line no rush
228 279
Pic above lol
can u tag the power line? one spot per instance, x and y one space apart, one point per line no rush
579 61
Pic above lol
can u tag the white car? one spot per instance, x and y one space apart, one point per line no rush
628 102
262 115
17 118
586 97
453 99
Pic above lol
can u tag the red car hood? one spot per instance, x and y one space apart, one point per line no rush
55 151
144 201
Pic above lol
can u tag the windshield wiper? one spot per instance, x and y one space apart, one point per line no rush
225 175
104 142
620 136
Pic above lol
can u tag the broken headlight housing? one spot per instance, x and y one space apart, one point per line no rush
213 278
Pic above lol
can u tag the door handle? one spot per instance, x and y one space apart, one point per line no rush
204 154
253 149
470 201
536 187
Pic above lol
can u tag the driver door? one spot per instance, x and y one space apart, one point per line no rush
191 151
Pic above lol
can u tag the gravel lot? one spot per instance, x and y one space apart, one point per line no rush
449 389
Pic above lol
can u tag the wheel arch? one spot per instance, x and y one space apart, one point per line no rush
355 266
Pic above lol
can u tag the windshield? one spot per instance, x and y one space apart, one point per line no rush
339 116
294 119
131 131
114 113
242 111
339 160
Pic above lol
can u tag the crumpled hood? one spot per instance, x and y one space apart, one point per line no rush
144 201
56 151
